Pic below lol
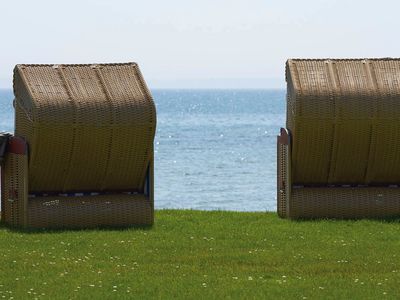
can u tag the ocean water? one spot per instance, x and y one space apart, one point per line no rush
214 149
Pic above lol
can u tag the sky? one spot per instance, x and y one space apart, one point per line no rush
196 43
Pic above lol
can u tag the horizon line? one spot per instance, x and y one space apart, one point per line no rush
197 88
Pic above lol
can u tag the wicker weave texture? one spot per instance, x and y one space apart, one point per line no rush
65 211
345 202
332 202
344 117
14 189
283 173
89 211
89 127
281 176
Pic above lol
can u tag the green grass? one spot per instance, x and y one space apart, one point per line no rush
206 255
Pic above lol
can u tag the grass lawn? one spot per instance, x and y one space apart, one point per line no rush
206 255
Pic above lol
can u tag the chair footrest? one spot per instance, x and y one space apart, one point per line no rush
345 202
89 211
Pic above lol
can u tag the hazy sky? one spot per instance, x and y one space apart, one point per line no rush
196 43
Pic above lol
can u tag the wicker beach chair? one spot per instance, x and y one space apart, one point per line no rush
82 154
339 156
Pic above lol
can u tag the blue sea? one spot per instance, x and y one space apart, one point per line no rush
214 149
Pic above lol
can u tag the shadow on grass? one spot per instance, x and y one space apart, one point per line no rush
77 229
392 219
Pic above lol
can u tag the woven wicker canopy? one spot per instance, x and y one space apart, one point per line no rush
344 118
339 156
88 127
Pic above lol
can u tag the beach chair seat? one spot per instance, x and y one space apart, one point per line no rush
82 152
339 155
